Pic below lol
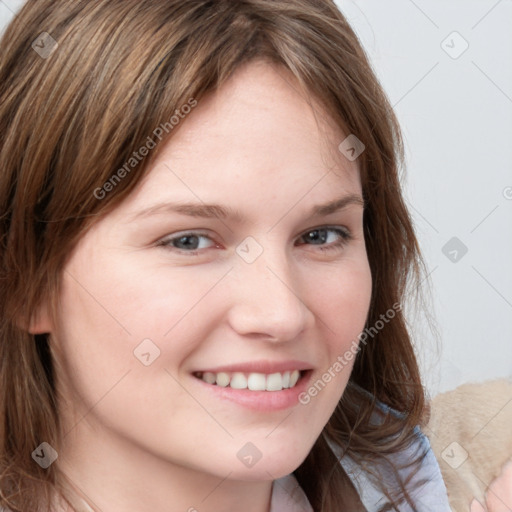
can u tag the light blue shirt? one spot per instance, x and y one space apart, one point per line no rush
429 496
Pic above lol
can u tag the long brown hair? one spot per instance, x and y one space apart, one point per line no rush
83 84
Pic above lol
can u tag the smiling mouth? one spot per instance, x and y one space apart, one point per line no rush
253 381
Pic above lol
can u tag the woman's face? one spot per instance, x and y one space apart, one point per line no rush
229 261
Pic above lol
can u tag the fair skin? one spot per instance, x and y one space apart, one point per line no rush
157 438
498 497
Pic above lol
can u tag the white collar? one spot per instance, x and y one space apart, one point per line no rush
288 496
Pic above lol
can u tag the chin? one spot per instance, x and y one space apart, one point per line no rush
270 466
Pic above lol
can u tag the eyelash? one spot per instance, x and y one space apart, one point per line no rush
344 234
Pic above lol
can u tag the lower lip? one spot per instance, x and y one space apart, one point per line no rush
263 401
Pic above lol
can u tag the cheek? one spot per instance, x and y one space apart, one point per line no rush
90 342
103 321
107 312
341 305
156 298
343 300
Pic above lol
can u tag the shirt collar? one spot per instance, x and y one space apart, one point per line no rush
288 496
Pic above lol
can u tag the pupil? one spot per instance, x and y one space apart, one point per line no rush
318 236
182 242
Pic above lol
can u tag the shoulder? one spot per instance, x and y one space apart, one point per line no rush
426 483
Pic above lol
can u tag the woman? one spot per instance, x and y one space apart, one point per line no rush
204 257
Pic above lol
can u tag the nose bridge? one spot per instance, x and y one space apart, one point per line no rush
267 297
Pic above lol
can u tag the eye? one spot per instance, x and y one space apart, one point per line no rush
188 242
328 238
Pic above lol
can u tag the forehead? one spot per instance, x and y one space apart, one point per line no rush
261 105
258 139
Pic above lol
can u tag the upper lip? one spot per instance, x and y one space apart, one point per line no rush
260 367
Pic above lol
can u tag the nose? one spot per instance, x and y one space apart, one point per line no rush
266 299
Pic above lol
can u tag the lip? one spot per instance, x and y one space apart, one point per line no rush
261 401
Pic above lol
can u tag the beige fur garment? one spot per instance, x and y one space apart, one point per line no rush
470 431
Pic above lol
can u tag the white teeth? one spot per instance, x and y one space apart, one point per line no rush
294 377
209 377
257 382
238 381
253 381
222 379
274 382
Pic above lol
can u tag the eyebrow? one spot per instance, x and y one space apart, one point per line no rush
210 211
